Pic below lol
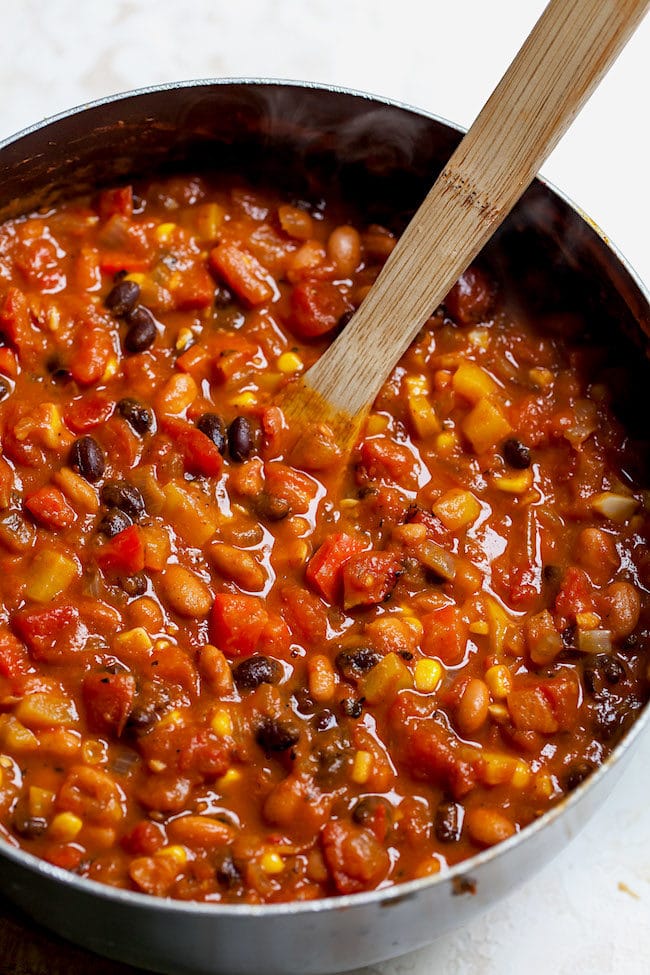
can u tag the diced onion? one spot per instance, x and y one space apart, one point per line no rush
616 507
595 641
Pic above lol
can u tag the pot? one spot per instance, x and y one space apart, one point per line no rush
384 156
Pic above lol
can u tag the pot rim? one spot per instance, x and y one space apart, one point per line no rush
386 895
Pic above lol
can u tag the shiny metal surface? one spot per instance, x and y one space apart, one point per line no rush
384 156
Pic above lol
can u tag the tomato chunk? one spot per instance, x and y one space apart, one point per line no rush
326 564
50 507
369 578
108 699
237 623
316 308
123 553
243 273
52 634
200 455
356 859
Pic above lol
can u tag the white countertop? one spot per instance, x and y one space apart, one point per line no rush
588 912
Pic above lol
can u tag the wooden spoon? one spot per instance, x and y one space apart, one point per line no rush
567 53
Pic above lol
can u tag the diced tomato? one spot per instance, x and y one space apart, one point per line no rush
430 751
7 480
206 754
294 487
50 507
305 614
445 635
15 322
563 693
8 362
39 261
119 440
354 856
471 300
316 308
326 564
117 200
68 856
144 839
90 356
123 553
275 640
237 623
14 660
385 460
51 634
108 699
171 664
195 361
274 428
88 411
369 578
200 454
243 273
575 596
230 354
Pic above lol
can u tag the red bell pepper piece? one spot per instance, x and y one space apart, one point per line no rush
108 699
237 623
123 553
445 635
326 565
50 634
200 454
14 661
316 308
243 273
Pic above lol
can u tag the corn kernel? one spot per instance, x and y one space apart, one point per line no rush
41 801
522 775
183 339
289 362
541 377
271 862
53 318
175 852
498 680
479 628
221 722
446 443
376 423
515 483
65 827
361 767
111 368
156 766
244 401
164 231
135 641
136 276
427 675
228 778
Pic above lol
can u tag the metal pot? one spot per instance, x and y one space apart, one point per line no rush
384 156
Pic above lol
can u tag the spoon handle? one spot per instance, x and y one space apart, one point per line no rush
567 53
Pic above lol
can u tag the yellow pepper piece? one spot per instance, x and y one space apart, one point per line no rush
428 673
473 383
485 426
457 509
51 574
386 678
421 412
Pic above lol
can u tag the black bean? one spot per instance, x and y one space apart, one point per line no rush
274 735
227 872
222 297
127 497
213 427
366 810
123 297
516 454
5 388
325 720
240 439
304 701
333 757
136 414
87 458
114 522
135 585
28 826
552 573
151 703
577 774
448 822
602 669
352 707
142 330
256 670
353 664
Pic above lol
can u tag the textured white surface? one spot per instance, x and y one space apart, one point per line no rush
574 918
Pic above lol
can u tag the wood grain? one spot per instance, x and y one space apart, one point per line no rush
561 62
26 949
